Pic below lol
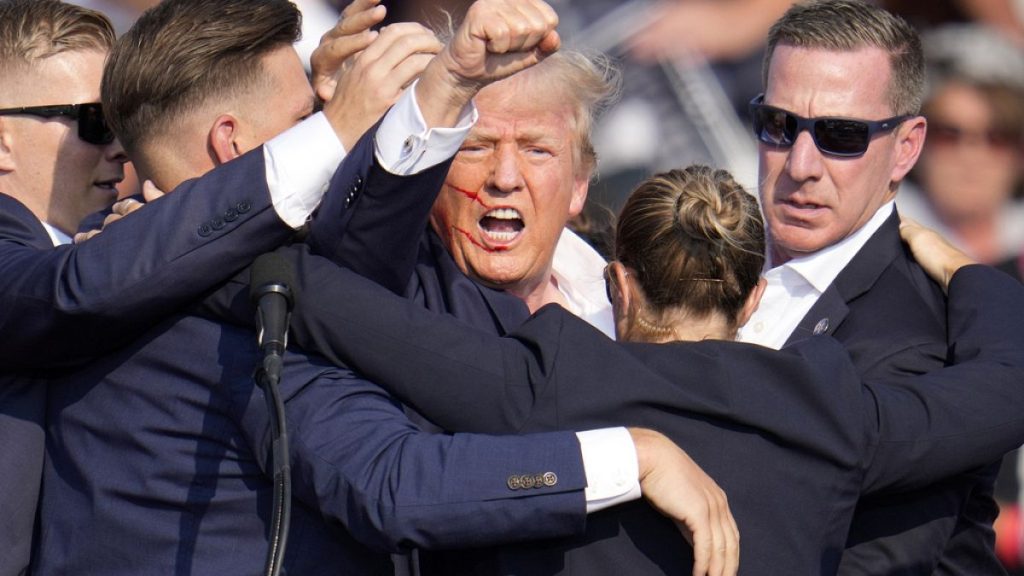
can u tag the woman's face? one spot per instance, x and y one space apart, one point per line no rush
970 164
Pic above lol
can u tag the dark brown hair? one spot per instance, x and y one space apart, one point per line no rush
181 53
694 239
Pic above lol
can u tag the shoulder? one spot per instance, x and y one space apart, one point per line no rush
17 223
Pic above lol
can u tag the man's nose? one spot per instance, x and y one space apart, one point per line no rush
804 159
506 175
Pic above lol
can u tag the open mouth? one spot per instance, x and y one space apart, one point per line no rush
502 224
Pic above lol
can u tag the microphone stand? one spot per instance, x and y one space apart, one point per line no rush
268 376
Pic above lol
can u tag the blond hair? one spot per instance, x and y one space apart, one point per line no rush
31 30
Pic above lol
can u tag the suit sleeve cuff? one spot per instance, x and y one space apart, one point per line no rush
610 464
405 145
300 163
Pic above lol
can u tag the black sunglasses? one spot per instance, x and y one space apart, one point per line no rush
92 127
844 137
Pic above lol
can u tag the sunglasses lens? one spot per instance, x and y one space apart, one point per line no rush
841 137
774 127
92 127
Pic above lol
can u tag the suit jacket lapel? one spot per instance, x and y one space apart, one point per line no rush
856 278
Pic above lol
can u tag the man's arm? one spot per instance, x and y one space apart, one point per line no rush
65 305
376 230
358 459
466 379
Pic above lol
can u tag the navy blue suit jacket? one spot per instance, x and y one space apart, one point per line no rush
61 306
892 319
157 462
436 274
792 436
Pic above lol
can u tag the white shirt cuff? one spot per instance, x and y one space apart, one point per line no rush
406 145
300 163
609 461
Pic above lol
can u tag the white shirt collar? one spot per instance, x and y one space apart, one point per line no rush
59 238
578 271
821 268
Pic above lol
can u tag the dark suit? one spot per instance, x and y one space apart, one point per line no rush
891 318
59 307
793 448
157 463
435 282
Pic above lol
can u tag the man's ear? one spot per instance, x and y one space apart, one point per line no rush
753 300
909 142
580 185
7 163
223 139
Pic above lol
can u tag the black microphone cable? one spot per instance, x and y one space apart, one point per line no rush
270 288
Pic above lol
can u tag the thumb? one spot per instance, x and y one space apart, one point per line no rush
150 192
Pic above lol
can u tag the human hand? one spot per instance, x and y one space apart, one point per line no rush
362 73
349 36
939 258
497 39
122 208
676 486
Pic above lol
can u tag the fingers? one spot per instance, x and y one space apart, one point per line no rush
939 259
83 236
512 27
150 192
346 39
676 486
726 549
703 543
374 79
398 42
358 16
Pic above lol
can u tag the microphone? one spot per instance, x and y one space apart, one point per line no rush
270 289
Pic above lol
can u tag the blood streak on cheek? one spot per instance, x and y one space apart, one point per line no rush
473 196
474 241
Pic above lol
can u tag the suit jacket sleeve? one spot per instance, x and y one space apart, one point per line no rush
374 224
964 415
357 459
66 305
543 375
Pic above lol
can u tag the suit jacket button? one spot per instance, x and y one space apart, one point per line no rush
217 223
205 230
243 206
514 482
230 215
550 479
821 327
527 481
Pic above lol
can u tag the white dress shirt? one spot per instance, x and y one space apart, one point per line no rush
795 286
579 273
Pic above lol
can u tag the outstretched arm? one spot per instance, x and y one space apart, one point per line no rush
63 306
376 230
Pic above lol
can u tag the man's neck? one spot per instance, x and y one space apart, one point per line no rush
538 294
